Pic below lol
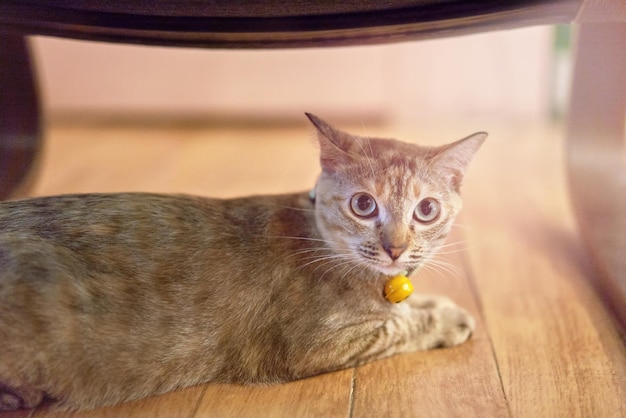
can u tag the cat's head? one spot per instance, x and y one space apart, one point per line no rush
384 204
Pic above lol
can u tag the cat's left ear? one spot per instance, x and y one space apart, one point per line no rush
336 147
453 159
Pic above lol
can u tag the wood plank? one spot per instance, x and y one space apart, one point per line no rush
326 395
208 161
460 381
597 155
558 351
179 404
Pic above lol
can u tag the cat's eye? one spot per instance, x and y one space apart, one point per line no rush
427 210
363 205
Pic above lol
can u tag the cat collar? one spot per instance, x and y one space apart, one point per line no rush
398 288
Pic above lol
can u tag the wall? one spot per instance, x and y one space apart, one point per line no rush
500 73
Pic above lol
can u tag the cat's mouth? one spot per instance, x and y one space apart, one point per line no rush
387 266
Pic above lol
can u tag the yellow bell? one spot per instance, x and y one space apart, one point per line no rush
398 288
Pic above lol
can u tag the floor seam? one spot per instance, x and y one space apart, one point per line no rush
194 412
469 271
352 394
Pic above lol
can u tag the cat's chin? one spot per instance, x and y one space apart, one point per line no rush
392 270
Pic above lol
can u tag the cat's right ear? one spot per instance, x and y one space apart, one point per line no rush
452 160
334 145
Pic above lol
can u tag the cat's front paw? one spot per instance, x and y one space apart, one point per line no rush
452 326
12 399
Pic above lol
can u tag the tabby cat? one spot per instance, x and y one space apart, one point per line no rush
105 298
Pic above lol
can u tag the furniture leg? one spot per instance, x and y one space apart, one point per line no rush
20 127
596 154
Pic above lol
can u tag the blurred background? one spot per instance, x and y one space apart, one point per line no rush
231 122
516 75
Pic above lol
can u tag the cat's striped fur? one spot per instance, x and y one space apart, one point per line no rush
108 298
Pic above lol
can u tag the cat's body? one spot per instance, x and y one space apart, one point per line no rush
107 298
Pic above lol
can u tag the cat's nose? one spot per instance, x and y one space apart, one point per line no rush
394 251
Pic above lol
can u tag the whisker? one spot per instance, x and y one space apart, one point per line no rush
450 244
306 251
340 257
454 249
462 226
326 259
345 263
319 257
444 265
358 264
295 208
368 158
436 271
347 271
348 265
302 238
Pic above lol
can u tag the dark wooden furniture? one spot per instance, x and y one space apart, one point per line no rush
595 157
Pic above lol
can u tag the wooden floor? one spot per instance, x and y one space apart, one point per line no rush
544 347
